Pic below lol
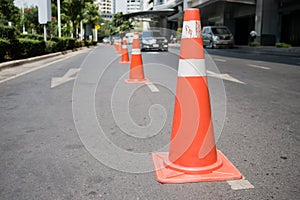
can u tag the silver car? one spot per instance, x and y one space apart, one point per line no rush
217 36
153 40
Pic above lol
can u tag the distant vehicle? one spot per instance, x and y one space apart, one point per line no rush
115 38
129 37
106 40
153 40
217 36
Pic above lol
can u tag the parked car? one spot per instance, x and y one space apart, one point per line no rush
217 36
106 40
153 40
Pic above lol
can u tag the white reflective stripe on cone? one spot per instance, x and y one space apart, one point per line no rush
136 51
124 46
191 29
191 67
135 36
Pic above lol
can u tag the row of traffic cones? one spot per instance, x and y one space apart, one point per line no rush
136 64
192 156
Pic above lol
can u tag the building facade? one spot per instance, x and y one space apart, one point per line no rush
273 20
106 8
134 6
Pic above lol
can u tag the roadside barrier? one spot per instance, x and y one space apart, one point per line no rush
136 67
192 156
125 57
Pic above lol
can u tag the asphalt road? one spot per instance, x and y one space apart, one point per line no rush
92 138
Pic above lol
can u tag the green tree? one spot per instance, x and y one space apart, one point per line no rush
91 14
73 9
120 23
9 12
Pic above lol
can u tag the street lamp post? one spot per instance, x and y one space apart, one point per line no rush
58 18
185 5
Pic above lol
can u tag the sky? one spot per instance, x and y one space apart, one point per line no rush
27 3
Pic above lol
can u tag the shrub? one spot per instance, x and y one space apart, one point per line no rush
8 32
282 45
70 43
29 48
51 47
79 43
4 48
64 43
32 36
178 36
88 43
95 43
254 44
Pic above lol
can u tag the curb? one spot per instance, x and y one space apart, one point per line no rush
273 51
15 63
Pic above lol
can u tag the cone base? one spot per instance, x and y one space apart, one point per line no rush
167 175
124 62
145 80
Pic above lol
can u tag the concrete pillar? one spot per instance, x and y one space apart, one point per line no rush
258 19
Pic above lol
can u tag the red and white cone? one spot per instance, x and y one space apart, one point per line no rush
136 67
193 156
125 57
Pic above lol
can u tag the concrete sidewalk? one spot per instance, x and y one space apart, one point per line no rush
269 50
15 63
266 50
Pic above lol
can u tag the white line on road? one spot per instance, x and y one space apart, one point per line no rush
56 81
152 87
220 60
259 67
226 77
240 184
27 72
37 68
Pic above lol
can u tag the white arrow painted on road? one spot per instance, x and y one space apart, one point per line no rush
224 77
56 81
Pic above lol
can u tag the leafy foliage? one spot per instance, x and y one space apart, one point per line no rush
9 12
4 47
8 32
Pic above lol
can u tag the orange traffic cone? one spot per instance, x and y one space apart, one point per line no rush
119 47
136 67
125 57
115 45
193 156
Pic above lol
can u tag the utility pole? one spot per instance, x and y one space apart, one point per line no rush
58 18
185 5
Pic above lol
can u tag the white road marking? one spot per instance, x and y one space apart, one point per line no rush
226 77
34 69
259 67
220 60
152 87
240 184
56 81
153 52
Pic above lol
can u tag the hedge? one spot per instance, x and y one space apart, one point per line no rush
282 45
32 36
51 47
4 48
17 46
29 48
8 32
